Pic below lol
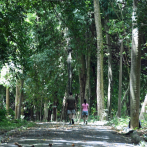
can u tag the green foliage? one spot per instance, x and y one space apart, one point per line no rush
11 113
9 125
142 144
2 114
143 123
119 122
93 115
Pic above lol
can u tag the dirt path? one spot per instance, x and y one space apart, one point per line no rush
62 135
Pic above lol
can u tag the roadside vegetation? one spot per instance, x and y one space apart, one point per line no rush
7 122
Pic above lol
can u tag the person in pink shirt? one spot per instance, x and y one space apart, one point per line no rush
85 107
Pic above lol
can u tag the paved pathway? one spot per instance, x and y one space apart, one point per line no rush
64 135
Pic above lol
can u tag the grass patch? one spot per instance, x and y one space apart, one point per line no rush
119 122
6 125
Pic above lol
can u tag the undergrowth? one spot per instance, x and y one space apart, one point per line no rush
119 122
6 125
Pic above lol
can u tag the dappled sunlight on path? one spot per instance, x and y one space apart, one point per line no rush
61 135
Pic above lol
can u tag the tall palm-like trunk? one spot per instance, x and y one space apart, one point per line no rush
135 72
120 80
100 92
109 73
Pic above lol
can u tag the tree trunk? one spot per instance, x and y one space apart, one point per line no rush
55 111
7 100
46 111
87 85
63 115
20 97
135 72
69 71
41 110
82 80
100 92
125 96
17 100
143 109
120 80
109 74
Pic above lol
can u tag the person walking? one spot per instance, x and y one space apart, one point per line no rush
85 107
70 107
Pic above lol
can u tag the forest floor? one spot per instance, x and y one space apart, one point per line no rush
59 134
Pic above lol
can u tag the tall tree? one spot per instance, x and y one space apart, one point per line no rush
17 100
100 92
87 85
120 80
7 99
109 51
135 70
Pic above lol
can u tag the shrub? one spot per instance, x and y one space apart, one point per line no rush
2 114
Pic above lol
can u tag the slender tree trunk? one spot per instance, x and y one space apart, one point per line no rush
20 97
55 111
109 73
46 110
120 80
128 103
50 112
7 100
100 92
69 71
135 72
41 110
125 97
82 80
17 100
87 85
63 115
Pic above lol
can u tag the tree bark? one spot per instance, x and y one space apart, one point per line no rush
46 110
7 100
125 97
120 80
69 71
20 97
87 85
63 115
17 100
41 109
55 111
100 92
109 74
135 72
